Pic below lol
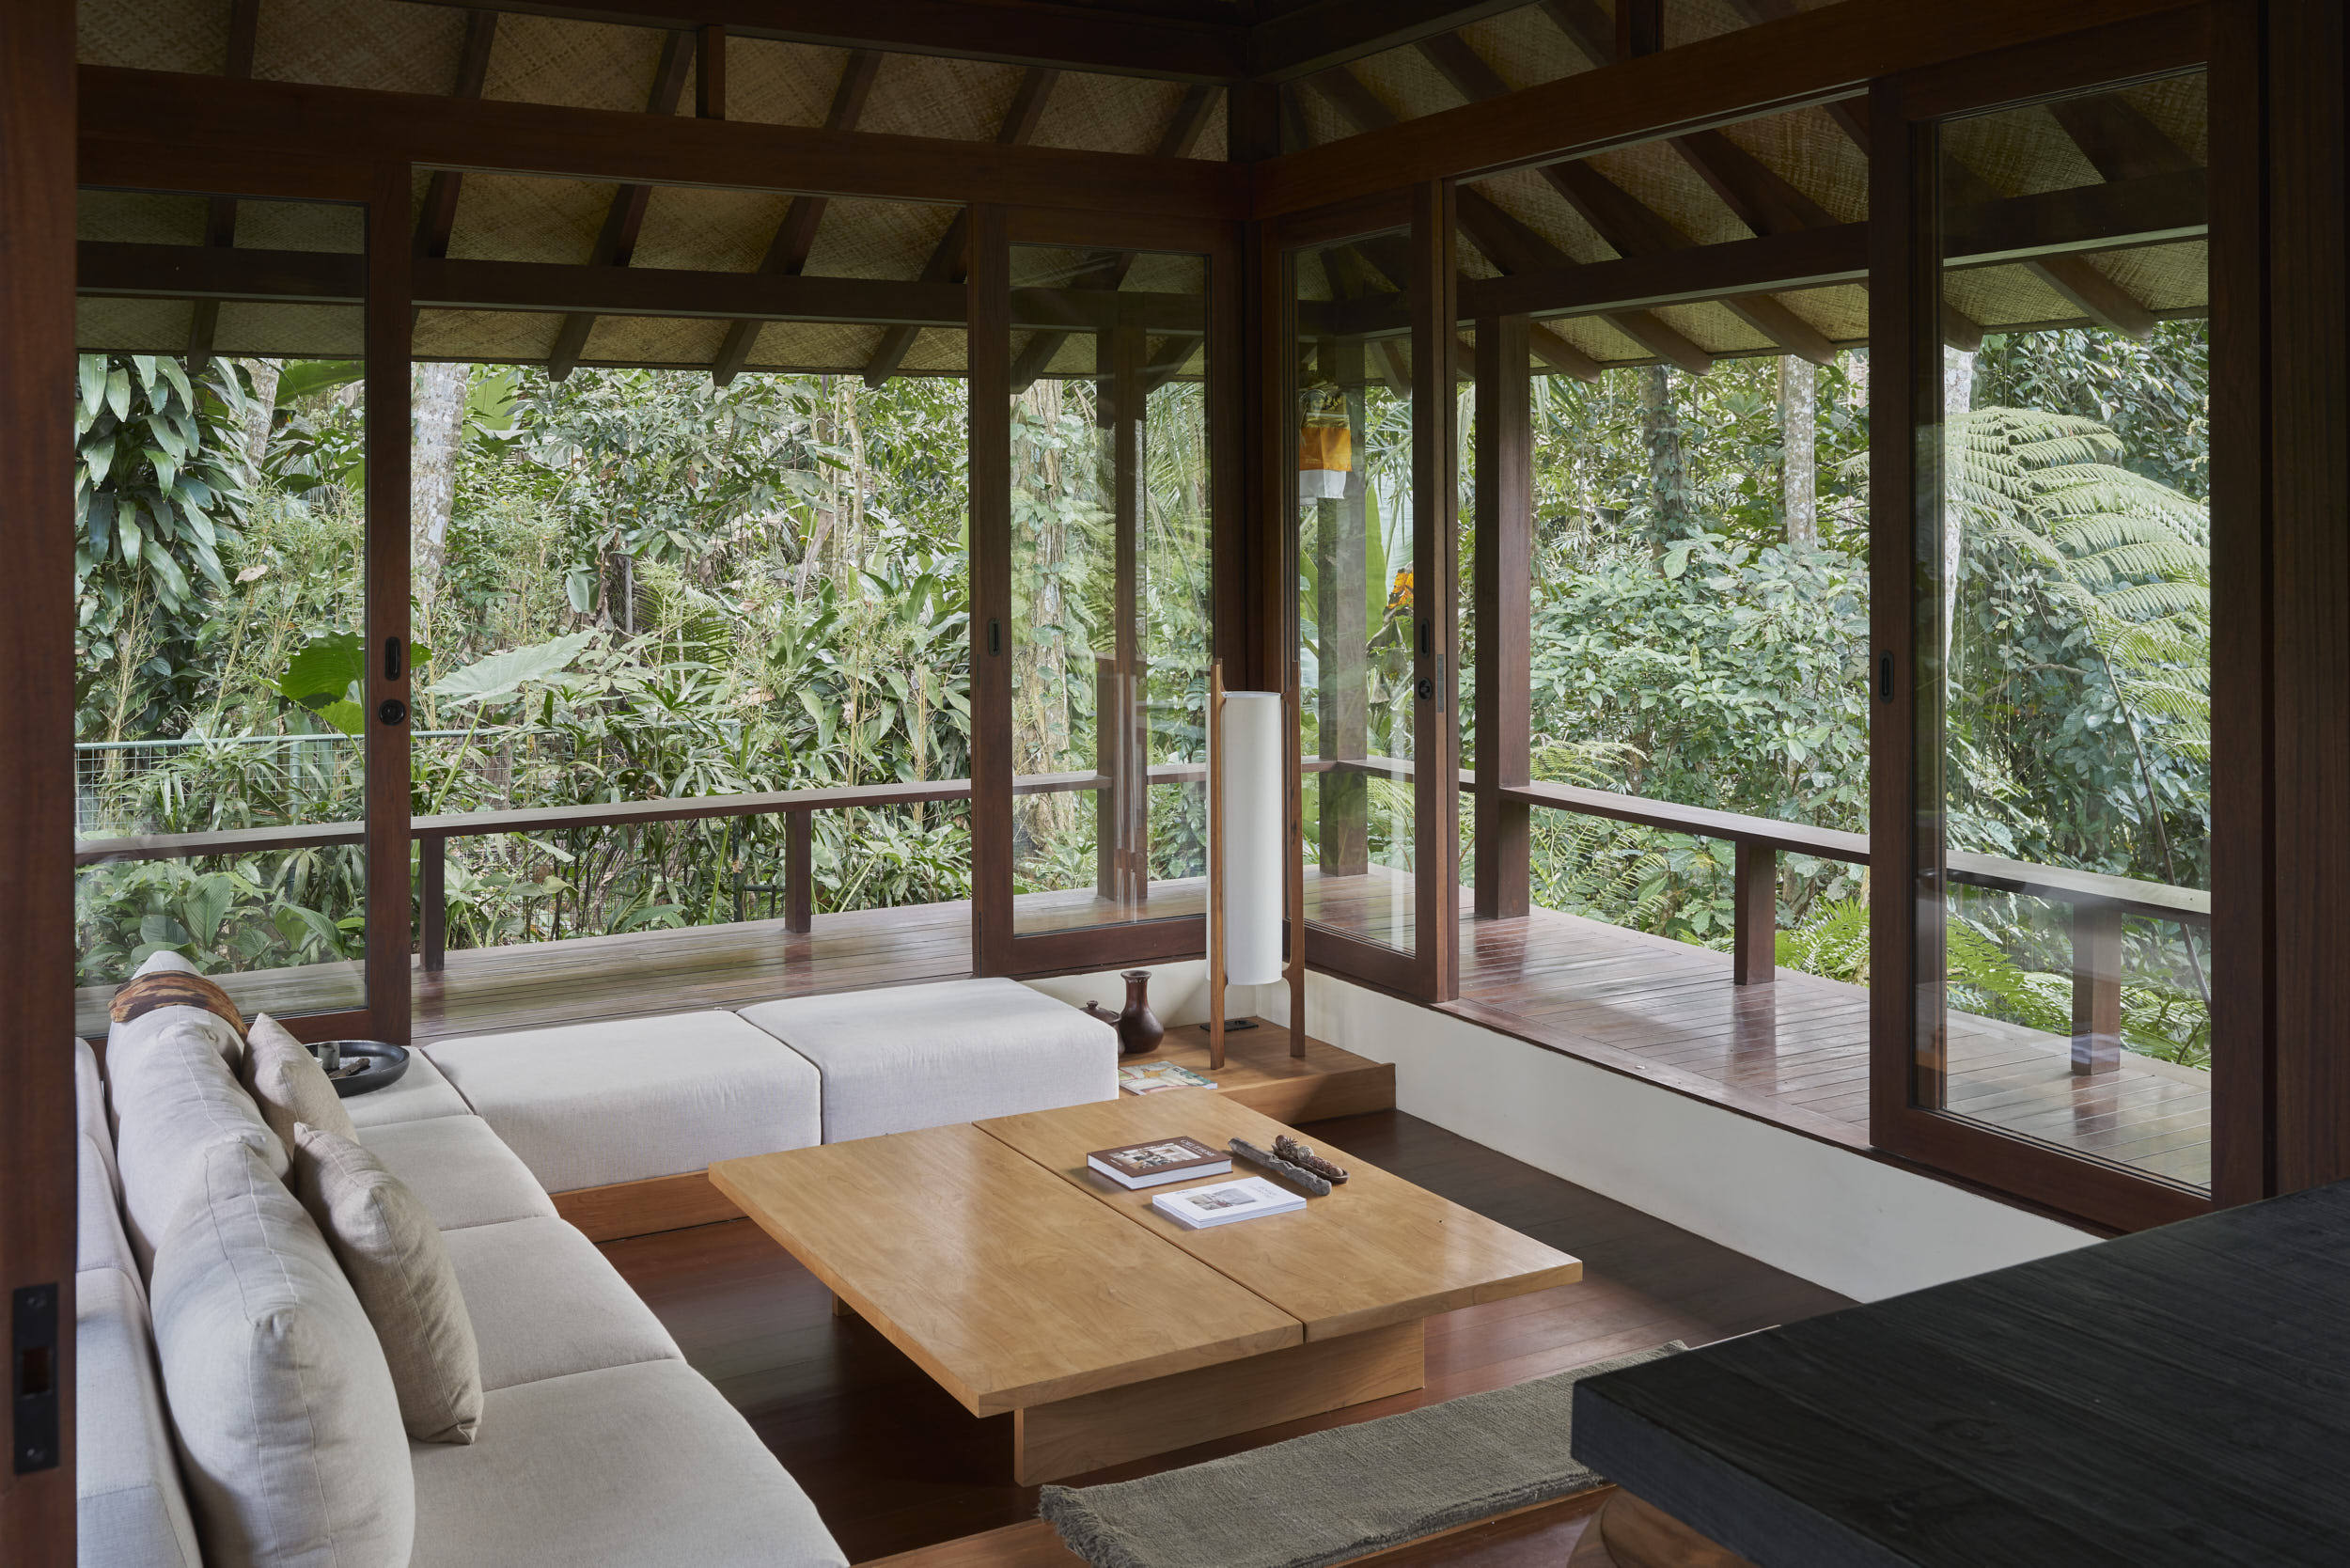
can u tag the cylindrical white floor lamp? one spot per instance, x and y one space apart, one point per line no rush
1247 859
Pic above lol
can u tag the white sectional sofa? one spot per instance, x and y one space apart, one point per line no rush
598 1444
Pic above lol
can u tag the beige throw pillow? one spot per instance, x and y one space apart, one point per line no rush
398 1265
289 1085
289 1429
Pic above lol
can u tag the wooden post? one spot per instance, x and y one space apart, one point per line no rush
2097 988
1504 591
37 1130
992 761
388 315
1341 615
1294 849
1215 865
1754 913
1131 787
799 871
432 900
1109 760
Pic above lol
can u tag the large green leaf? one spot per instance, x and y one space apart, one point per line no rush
328 675
301 378
503 674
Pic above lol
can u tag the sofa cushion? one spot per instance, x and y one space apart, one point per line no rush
288 1422
129 1510
459 1170
287 1084
545 1303
89 1107
418 1092
99 1240
644 1465
593 1104
178 1096
392 1254
925 1055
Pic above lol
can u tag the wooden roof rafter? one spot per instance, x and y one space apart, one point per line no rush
220 212
949 259
1506 239
624 219
795 236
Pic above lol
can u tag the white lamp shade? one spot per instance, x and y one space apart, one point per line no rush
1250 762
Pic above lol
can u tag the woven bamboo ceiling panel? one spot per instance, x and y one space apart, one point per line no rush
1688 193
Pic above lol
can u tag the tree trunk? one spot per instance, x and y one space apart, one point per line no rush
1958 397
440 422
1670 514
1799 400
259 413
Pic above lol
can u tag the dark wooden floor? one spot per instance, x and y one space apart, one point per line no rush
893 1464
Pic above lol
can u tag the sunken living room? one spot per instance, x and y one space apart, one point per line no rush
1175 783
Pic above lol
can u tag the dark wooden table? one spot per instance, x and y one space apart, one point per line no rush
2180 1396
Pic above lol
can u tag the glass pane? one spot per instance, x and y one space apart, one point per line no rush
1355 541
2066 653
1109 634
220 506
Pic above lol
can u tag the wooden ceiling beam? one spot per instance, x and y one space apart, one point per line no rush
1807 57
1184 131
950 260
624 219
139 128
1506 239
795 239
1204 41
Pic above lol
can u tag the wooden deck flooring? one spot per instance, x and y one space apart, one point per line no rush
894 1464
1796 1052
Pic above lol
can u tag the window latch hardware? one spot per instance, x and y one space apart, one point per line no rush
33 1345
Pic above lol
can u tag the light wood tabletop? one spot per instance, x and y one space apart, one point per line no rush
1003 1283
1377 1250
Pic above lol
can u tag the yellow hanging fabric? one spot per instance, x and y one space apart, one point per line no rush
1325 448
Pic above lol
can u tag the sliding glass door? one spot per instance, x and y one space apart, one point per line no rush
1367 427
1099 500
2046 635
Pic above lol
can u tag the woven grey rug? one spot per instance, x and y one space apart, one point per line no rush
1335 1495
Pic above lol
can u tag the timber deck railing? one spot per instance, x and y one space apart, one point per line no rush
2099 902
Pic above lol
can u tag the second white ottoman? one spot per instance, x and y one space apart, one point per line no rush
925 1055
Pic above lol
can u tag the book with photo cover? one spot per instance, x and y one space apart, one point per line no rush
1159 1162
1251 1197
1150 1077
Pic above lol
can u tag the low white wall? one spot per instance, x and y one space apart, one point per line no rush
1832 1216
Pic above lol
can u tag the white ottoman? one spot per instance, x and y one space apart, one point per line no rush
925 1055
590 1105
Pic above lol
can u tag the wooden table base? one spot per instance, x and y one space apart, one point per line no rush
1075 1436
1628 1533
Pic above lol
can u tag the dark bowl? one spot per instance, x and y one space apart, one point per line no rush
378 1062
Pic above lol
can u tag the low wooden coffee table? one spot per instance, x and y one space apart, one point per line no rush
1020 1281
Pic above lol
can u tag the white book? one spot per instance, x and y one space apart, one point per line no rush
1156 1178
1201 1208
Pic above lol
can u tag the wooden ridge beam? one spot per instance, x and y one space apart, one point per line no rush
1197 41
171 130
950 260
624 219
795 237
1806 58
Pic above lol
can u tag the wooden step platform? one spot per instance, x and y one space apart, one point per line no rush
1259 1073
1546 1533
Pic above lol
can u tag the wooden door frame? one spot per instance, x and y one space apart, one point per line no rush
1906 498
998 948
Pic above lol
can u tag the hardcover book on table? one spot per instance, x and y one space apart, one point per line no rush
1152 1077
1159 1162
1250 1198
